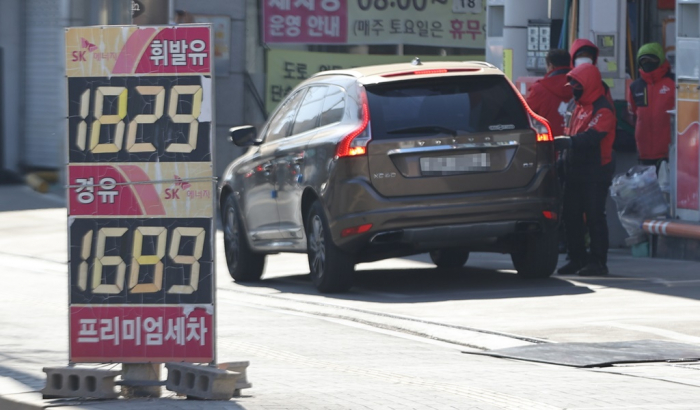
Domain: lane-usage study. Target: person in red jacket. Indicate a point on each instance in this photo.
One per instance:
(589, 170)
(549, 96)
(650, 97)
(585, 52)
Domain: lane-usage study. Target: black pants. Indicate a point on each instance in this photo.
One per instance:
(586, 199)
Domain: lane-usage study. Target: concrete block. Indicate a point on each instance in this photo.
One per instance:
(201, 382)
(80, 382)
(238, 367)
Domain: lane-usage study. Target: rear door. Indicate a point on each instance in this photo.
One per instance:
(289, 163)
(447, 135)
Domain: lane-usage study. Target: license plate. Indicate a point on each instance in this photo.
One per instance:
(456, 163)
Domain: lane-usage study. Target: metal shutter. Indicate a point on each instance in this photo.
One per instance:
(44, 78)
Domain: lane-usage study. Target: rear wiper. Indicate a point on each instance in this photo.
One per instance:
(418, 130)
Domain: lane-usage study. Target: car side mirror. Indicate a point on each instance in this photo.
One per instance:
(243, 136)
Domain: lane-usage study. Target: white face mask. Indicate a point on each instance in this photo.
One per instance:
(582, 60)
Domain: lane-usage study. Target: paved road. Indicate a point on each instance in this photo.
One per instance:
(394, 342)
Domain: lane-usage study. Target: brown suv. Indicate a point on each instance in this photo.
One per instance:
(385, 161)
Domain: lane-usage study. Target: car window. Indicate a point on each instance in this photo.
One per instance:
(333, 106)
(282, 121)
(309, 111)
(461, 105)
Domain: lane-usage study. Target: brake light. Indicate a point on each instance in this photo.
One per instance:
(538, 123)
(433, 71)
(550, 215)
(355, 143)
(355, 230)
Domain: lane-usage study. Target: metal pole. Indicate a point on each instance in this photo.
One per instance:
(138, 379)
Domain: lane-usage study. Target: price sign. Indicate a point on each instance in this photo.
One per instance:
(141, 194)
(126, 119)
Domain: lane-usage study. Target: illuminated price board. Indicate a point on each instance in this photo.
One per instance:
(141, 194)
(142, 261)
(131, 119)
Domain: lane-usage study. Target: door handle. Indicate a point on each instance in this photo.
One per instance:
(267, 167)
(298, 159)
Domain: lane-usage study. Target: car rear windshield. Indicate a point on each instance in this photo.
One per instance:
(453, 105)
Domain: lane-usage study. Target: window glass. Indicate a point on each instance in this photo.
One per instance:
(280, 124)
(333, 106)
(310, 110)
(463, 104)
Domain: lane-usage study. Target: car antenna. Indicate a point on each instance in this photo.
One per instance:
(416, 61)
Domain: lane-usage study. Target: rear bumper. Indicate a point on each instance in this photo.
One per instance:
(445, 220)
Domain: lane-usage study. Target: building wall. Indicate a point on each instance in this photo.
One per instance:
(230, 85)
(11, 41)
(34, 102)
(44, 83)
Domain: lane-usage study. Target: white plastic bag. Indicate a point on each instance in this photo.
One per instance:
(638, 197)
(664, 177)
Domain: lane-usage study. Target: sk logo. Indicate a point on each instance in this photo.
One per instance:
(80, 55)
(182, 184)
(172, 193)
(664, 90)
(86, 44)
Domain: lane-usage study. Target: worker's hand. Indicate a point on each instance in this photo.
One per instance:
(562, 142)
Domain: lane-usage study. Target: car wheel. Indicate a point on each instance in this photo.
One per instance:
(449, 258)
(536, 255)
(331, 268)
(244, 265)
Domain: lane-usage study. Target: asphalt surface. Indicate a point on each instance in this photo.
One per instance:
(361, 351)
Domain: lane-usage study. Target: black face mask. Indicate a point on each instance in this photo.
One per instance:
(578, 93)
(649, 65)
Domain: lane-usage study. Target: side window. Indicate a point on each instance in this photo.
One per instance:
(310, 110)
(333, 106)
(279, 125)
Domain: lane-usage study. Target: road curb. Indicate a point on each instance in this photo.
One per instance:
(17, 396)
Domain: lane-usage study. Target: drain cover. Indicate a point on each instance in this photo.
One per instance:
(599, 354)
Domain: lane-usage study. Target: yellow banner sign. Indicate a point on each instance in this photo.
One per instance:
(286, 69)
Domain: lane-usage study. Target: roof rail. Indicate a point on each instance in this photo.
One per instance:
(484, 63)
(348, 72)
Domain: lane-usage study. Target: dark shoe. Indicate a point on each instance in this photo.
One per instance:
(570, 268)
(593, 269)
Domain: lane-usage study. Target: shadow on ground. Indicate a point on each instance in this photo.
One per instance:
(431, 284)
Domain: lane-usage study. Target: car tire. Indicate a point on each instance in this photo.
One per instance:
(536, 255)
(244, 265)
(449, 258)
(331, 268)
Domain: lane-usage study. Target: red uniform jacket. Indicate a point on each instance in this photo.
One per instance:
(650, 97)
(549, 97)
(592, 130)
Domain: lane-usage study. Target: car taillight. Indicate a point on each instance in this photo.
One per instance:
(355, 143)
(538, 123)
(432, 71)
(541, 127)
(550, 215)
